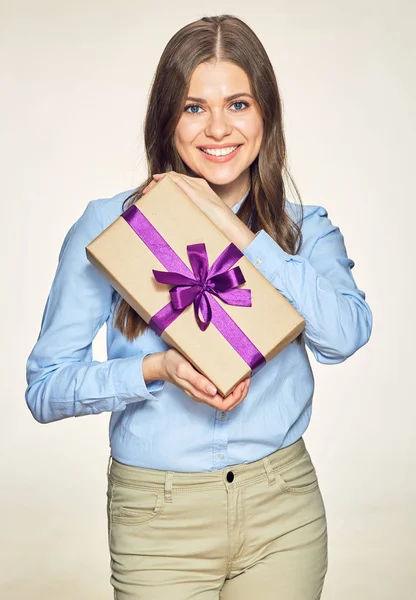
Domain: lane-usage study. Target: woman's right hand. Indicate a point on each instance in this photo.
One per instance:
(176, 369)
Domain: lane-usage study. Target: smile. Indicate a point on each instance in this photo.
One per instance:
(219, 151)
(220, 154)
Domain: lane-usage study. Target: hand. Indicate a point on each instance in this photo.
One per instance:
(200, 192)
(179, 371)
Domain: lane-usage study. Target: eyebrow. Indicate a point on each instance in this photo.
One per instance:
(227, 99)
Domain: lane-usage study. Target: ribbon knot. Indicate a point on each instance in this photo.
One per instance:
(218, 280)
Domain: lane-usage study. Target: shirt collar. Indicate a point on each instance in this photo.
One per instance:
(237, 206)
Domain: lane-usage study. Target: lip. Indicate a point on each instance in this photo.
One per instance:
(218, 146)
(219, 159)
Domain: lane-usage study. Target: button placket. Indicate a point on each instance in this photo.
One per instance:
(220, 442)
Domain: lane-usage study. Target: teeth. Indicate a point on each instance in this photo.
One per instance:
(220, 151)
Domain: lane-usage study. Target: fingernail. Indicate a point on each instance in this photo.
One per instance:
(211, 389)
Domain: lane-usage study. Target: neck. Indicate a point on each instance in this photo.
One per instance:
(231, 193)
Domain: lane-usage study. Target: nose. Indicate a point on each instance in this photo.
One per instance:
(218, 125)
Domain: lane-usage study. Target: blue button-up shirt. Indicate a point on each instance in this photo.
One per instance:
(157, 425)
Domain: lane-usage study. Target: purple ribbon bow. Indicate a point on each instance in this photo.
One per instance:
(217, 280)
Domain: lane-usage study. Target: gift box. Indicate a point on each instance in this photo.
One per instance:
(194, 287)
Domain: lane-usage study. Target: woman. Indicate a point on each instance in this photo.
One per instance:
(208, 497)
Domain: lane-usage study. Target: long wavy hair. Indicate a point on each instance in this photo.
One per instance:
(223, 37)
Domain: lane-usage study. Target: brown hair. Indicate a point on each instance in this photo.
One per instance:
(223, 37)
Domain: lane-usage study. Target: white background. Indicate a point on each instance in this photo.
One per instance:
(74, 85)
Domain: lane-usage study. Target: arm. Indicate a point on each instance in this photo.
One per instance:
(62, 379)
(320, 286)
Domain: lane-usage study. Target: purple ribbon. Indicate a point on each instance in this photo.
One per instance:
(198, 286)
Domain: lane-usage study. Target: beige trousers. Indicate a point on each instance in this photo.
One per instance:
(253, 531)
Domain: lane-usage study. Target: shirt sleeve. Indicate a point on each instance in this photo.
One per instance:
(62, 379)
(319, 286)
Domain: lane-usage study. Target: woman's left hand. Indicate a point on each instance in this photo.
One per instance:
(200, 192)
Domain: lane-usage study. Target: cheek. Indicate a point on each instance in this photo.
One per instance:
(257, 129)
(252, 128)
(259, 134)
(185, 132)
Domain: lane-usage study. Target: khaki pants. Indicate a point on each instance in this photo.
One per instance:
(253, 531)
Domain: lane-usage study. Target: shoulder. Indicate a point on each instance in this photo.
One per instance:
(312, 213)
(98, 214)
(110, 208)
(315, 223)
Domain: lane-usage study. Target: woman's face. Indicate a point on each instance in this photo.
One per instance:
(210, 120)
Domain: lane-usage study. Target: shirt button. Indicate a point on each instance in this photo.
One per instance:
(230, 476)
(257, 261)
(220, 455)
(223, 416)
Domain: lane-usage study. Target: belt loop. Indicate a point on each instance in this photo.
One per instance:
(108, 465)
(269, 470)
(168, 486)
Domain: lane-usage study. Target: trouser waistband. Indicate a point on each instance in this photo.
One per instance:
(232, 476)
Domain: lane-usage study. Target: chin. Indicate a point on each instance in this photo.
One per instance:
(219, 178)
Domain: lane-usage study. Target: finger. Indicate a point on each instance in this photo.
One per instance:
(150, 186)
(172, 173)
(182, 180)
(242, 387)
(194, 392)
(161, 175)
(243, 394)
(198, 384)
(181, 175)
(202, 383)
(228, 403)
(237, 402)
(236, 396)
(188, 184)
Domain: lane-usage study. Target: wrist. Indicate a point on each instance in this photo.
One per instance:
(153, 367)
(236, 231)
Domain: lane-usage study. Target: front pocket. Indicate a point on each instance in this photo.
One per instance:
(134, 506)
(299, 477)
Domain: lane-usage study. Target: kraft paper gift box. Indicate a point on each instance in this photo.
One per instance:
(194, 287)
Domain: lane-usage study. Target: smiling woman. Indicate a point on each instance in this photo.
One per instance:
(208, 497)
(215, 113)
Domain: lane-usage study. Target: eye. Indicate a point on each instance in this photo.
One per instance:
(191, 106)
(240, 102)
(194, 112)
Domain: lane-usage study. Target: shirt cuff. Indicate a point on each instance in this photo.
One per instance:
(266, 254)
(128, 381)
